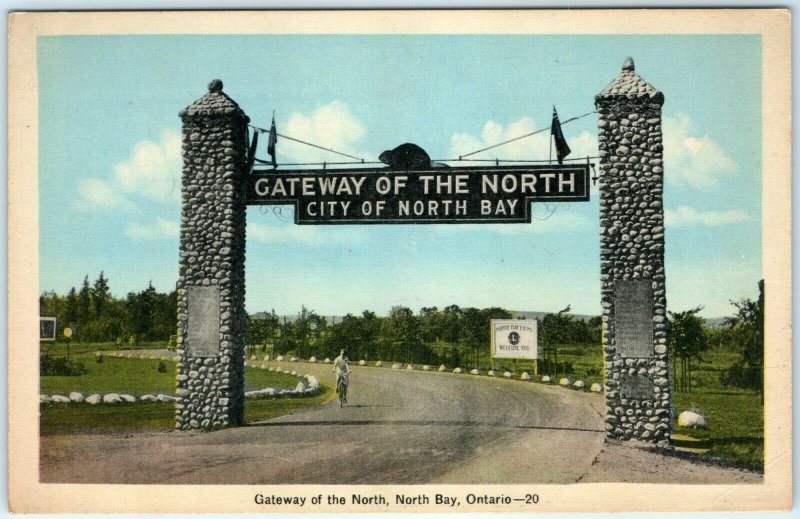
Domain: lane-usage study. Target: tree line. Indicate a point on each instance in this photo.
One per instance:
(452, 335)
(94, 315)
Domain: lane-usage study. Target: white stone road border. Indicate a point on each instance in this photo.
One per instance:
(309, 387)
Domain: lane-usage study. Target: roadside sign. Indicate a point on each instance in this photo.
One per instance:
(515, 338)
(47, 328)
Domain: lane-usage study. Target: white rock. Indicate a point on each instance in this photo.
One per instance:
(426, 368)
(278, 370)
(596, 388)
(44, 399)
(93, 399)
(566, 381)
(362, 362)
(253, 357)
(263, 366)
(490, 372)
(175, 358)
(60, 399)
(410, 367)
(300, 387)
(507, 374)
(442, 368)
(76, 396)
(579, 384)
(525, 376)
(111, 398)
(475, 371)
(457, 370)
(312, 381)
(268, 391)
(312, 360)
(245, 364)
(546, 379)
(151, 357)
(378, 364)
(127, 398)
(327, 360)
(162, 358)
(293, 373)
(143, 398)
(166, 398)
(694, 418)
(280, 358)
(395, 366)
(294, 359)
(252, 394)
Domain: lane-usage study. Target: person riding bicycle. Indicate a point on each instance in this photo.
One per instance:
(341, 366)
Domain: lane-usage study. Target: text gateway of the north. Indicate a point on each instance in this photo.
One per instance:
(448, 195)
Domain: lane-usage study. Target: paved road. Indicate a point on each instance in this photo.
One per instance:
(399, 427)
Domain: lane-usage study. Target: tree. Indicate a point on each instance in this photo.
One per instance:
(687, 341)
(84, 302)
(100, 294)
(747, 330)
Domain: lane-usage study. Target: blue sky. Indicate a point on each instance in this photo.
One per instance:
(109, 162)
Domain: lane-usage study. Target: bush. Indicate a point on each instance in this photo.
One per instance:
(742, 375)
(60, 367)
(100, 358)
(162, 367)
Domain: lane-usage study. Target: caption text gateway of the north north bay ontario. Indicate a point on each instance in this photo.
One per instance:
(443, 195)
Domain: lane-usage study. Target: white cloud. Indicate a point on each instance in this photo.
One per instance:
(160, 229)
(152, 171)
(98, 193)
(535, 147)
(154, 168)
(689, 159)
(332, 126)
(685, 216)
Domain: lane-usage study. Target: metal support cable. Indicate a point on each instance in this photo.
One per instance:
(526, 135)
(309, 144)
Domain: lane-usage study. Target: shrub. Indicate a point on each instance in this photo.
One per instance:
(60, 367)
(100, 358)
(162, 367)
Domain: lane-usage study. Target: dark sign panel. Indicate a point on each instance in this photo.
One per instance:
(439, 195)
(633, 314)
(203, 322)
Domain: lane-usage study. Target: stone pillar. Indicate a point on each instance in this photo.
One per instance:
(211, 316)
(637, 380)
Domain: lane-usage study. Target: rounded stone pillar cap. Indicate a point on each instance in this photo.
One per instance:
(630, 85)
(628, 65)
(216, 85)
(214, 103)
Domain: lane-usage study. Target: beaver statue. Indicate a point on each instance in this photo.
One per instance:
(407, 157)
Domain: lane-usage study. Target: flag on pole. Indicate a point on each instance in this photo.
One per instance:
(273, 138)
(562, 148)
(251, 152)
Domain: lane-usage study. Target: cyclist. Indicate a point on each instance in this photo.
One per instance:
(341, 367)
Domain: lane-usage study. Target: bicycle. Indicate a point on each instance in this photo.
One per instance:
(341, 388)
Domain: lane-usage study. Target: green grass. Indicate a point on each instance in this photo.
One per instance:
(735, 416)
(141, 376)
(86, 418)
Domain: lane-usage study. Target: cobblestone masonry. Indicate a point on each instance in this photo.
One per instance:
(212, 253)
(632, 248)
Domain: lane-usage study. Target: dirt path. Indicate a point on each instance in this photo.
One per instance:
(399, 427)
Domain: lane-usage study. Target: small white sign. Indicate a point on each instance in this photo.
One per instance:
(515, 338)
(47, 328)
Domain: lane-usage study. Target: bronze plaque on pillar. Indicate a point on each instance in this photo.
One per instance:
(636, 387)
(633, 318)
(203, 322)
